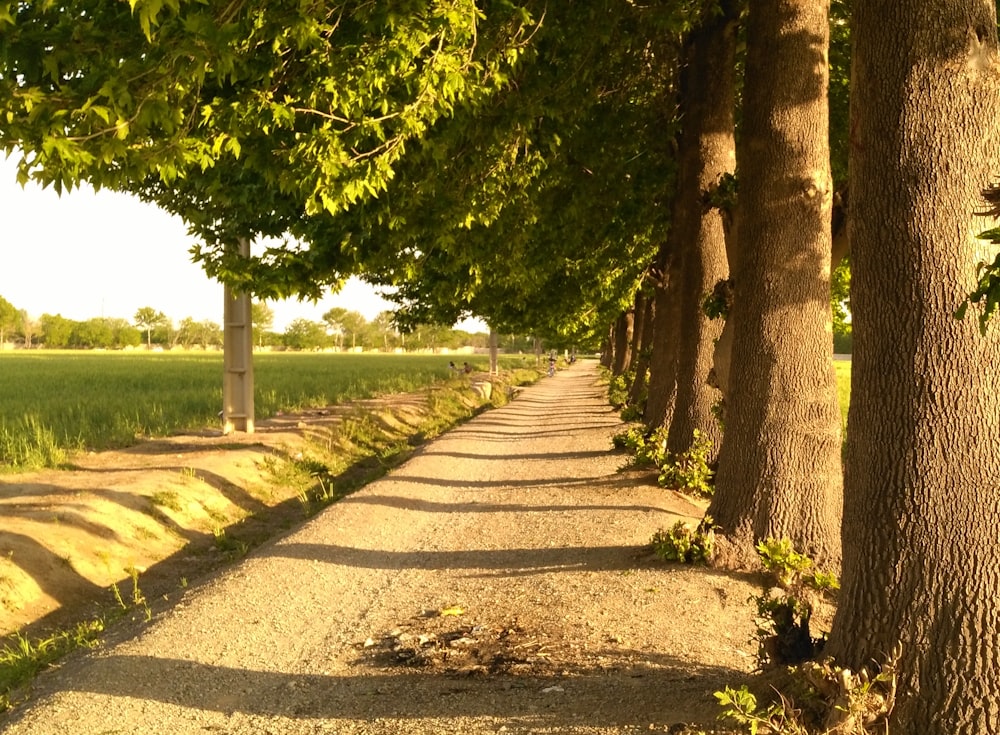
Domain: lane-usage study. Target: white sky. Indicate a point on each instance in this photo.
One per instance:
(88, 254)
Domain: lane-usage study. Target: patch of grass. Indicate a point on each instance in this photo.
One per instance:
(843, 370)
(145, 534)
(166, 499)
(22, 658)
(232, 547)
(54, 403)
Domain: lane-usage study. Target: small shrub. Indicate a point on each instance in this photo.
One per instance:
(781, 560)
(632, 412)
(618, 388)
(685, 544)
(819, 698)
(783, 616)
(646, 447)
(631, 439)
(690, 471)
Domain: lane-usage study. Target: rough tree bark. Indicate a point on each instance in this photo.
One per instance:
(638, 325)
(921, 539)
(779, 466)
(637, 392)
(623, 342)
(663, 351)
(707, 153)
(608, 348)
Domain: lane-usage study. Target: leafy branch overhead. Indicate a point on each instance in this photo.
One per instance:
(431, 145)
(295, 99)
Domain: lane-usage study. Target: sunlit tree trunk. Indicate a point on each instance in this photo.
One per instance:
(666, 331)
(638, 390)
(623, 342)
(707, 153)
(779, 466)
(921, 521)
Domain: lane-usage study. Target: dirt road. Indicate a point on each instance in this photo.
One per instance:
(496, 582)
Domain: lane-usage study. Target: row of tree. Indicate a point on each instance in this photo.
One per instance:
(575, 171)
(341, 329)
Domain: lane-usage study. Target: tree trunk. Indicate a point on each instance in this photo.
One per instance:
(623, 342)
(638, 315)
(637, 393)
(663, 351)
(494, 352)
(921, 552)
(779, 466)
(706, 155)
(608, 349)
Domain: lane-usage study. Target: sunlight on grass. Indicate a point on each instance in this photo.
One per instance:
(843, 368)
(53, 403)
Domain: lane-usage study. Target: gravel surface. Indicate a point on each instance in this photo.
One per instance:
(499, 581)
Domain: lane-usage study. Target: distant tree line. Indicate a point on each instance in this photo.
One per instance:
(339, 329)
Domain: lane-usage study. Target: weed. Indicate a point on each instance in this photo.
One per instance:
(789, 568)
(618, 389)
(216, 516)
(22, 658)
(145, 534)
(166, 499)
(232, 547)
(690, 471)
(819, 698)
(685, 544)
(785, 610)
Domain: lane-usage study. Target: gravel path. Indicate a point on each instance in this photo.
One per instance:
(496, 582)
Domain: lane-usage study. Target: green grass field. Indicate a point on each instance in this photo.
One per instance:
(54, 403)
(843, 368)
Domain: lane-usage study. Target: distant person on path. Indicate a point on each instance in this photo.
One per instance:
(552, 364)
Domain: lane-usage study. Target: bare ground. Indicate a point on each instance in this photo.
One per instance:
(499, 581)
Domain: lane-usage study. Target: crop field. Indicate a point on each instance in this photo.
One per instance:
(843, 369)
(54, 403)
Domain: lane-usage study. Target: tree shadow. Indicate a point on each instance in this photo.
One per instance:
(427, 506)
(660, 688)
(484, 562)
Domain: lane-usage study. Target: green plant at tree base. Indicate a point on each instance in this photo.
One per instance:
(690, 471)
(781, 560)
(632, 412)
(818, 698)
(784, 611)
(618, 389)
(646, 447)
(685, 544)
(789, 567)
